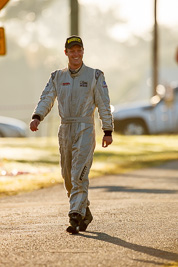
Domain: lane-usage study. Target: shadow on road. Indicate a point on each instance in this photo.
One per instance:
(162, 254)
(113, 188)
(148, 176)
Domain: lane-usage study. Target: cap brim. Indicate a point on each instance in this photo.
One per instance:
(74, 43)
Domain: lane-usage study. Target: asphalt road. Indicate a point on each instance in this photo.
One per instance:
(135, 220)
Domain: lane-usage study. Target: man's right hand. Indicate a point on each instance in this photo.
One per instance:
(34, 125)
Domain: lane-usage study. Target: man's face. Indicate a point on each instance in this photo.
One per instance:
(75, 56)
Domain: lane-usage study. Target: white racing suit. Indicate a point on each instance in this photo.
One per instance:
(78, 96)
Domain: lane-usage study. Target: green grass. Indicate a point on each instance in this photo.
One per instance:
(132, 152)
(39, 157)
(174, 264)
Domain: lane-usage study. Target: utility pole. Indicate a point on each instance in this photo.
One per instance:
(176, 55)
(74, 17)
(155, 50)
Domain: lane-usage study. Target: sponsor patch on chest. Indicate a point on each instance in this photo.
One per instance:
(65, 84)
(83, 84)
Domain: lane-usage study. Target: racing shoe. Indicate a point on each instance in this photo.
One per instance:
(74, 220)
(85, 222)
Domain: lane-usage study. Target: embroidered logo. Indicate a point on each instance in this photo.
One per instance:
(83, 84)
(83, 172)
(75, 39)
(65, 84)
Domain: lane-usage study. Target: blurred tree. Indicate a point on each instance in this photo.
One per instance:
(35, 47)
(19, 9)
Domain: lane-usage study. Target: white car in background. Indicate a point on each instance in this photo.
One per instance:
(10, 127)
(157, 117)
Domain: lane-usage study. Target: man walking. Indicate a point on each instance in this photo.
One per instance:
(79, 90)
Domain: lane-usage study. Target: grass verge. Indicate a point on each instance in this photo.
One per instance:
(174, 264)
(32, 163)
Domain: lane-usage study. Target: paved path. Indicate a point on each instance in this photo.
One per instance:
(135, 219)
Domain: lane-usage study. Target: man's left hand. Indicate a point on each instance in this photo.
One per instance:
(107, 140)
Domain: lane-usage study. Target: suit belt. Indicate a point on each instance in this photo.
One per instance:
(69, 120)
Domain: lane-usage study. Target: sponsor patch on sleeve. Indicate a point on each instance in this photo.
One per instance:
(53, 74)
(97, 73)
(104, 85)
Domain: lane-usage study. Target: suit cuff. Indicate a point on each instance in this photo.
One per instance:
(36, 117)
(107, 133)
